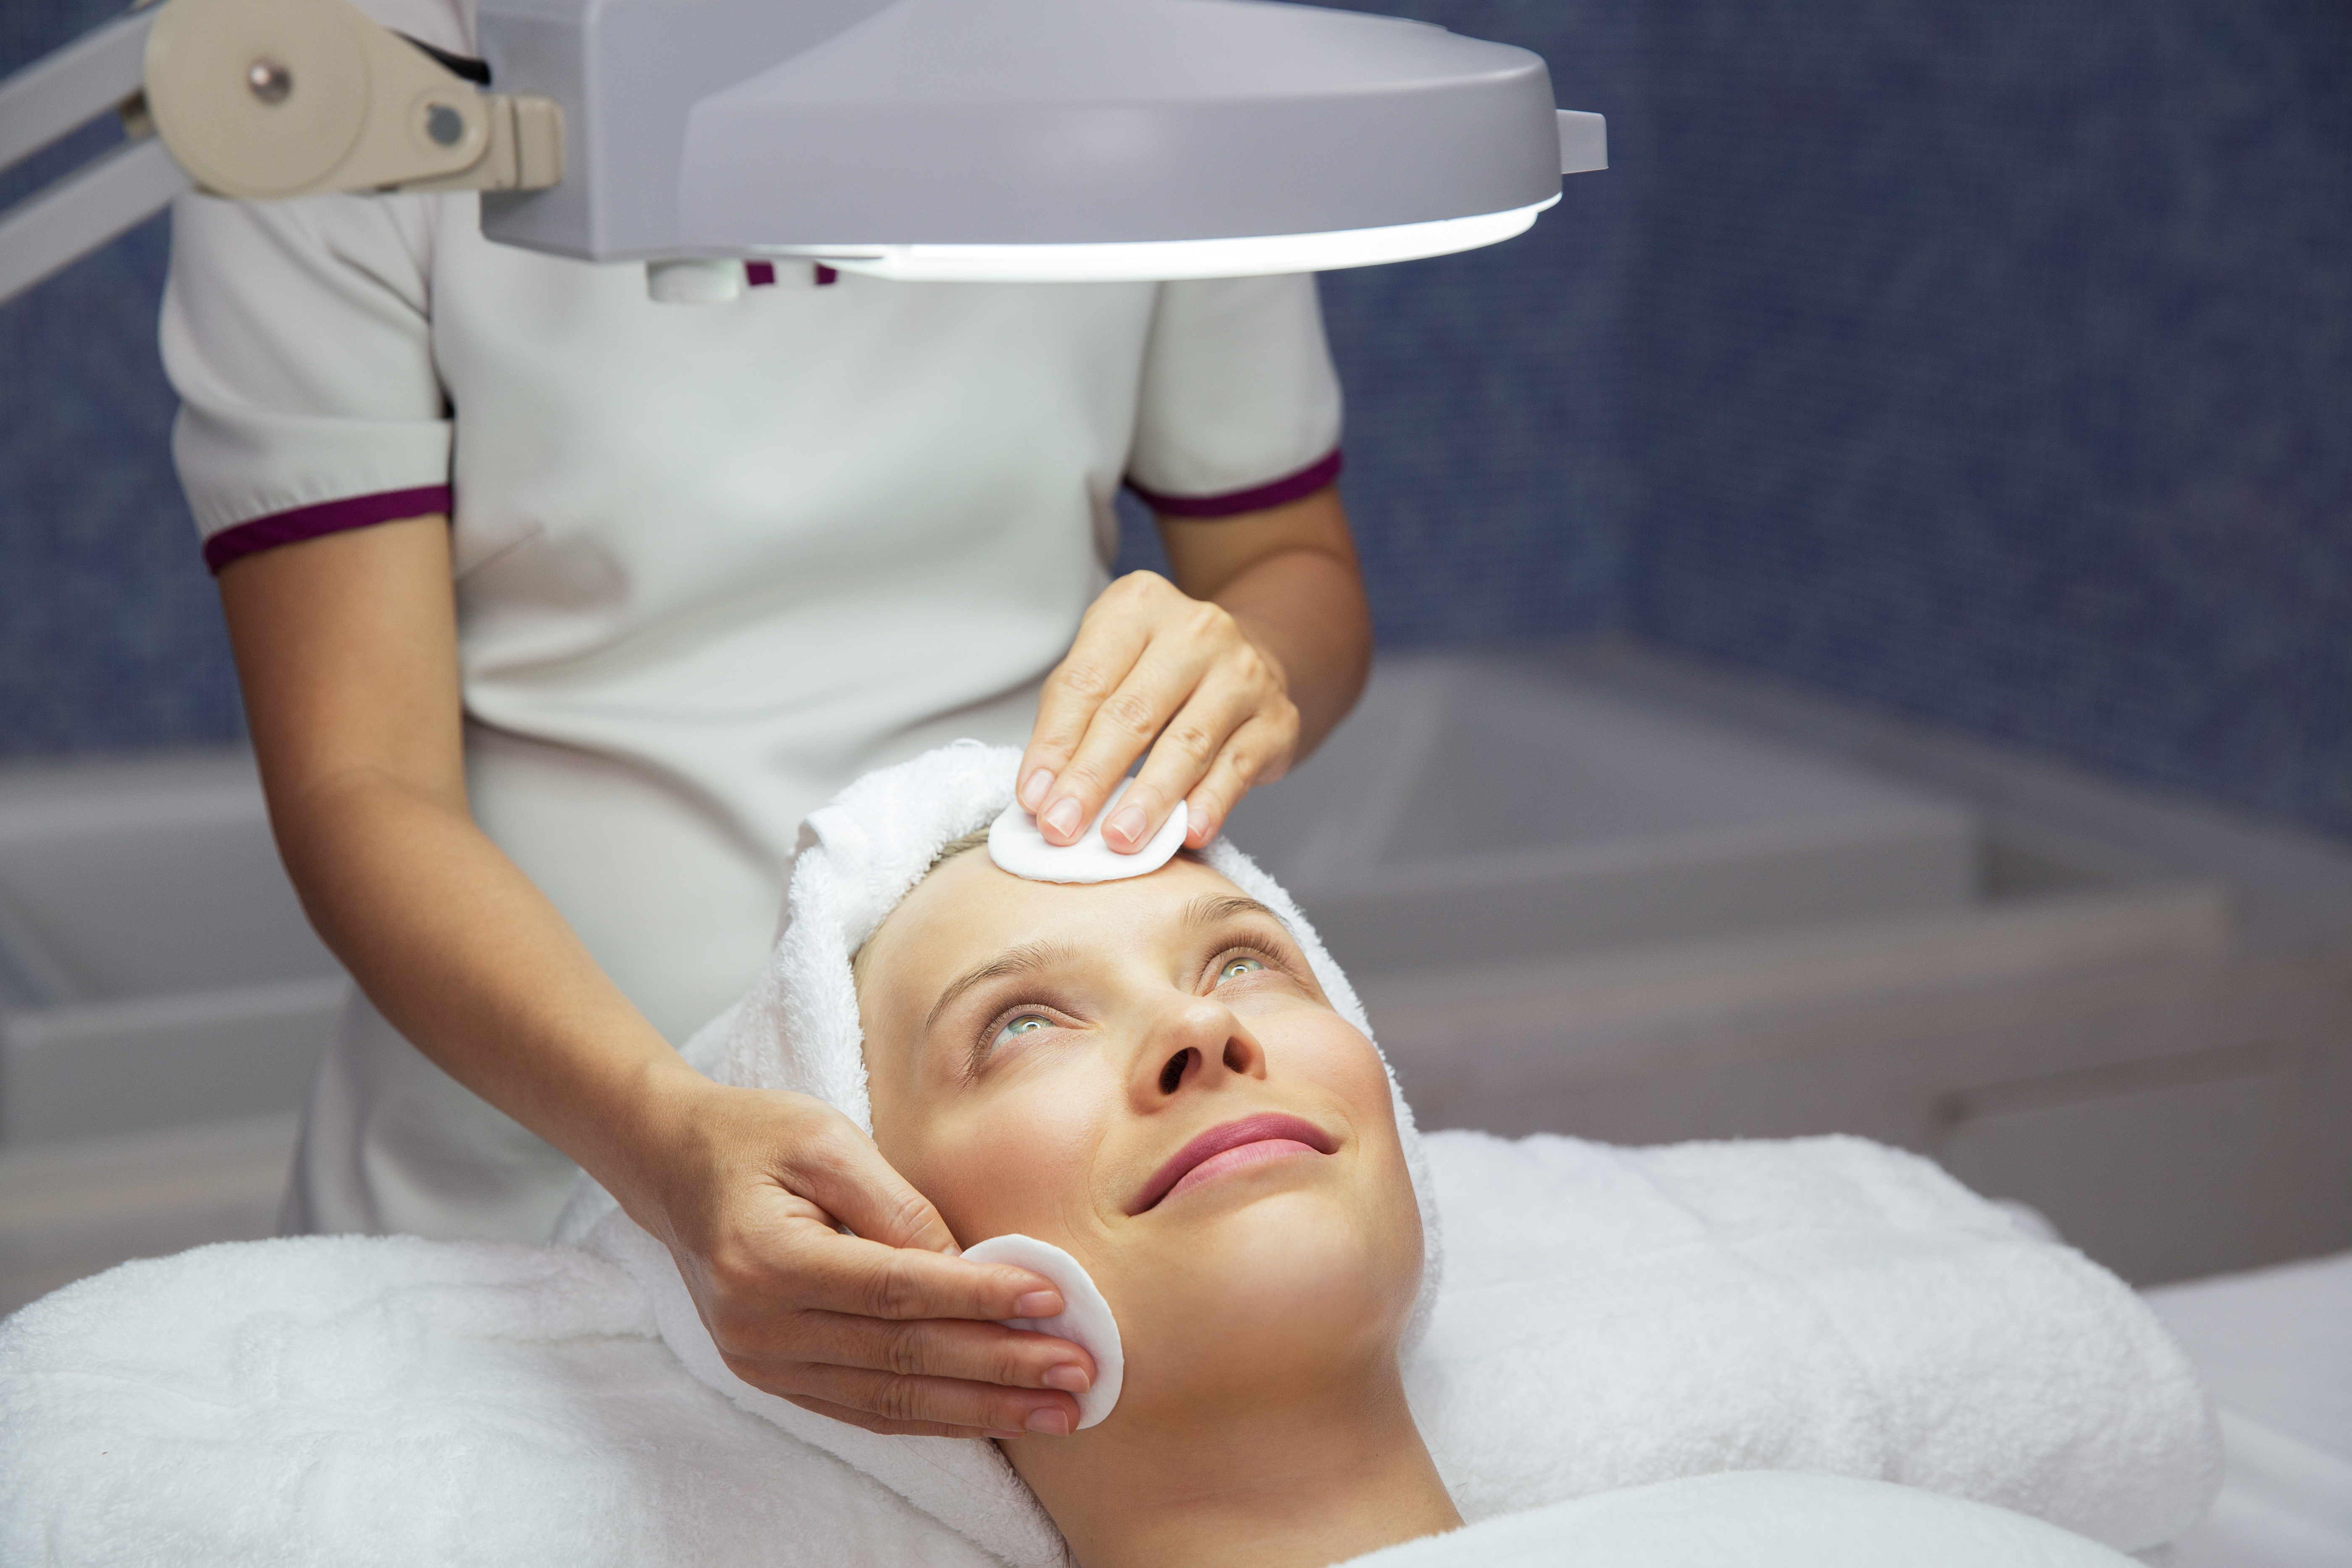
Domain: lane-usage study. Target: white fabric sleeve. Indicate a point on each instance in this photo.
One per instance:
(1240, 406)
(298, 337)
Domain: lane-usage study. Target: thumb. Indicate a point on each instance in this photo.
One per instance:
(845, 1174)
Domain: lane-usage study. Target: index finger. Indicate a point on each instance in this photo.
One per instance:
(857, 1277)
(1110, 640)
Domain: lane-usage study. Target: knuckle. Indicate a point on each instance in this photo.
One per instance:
(1132, 711)
(1258, 670)
(1010, 1365)
(1210, 621)
(1088, 681)
(896, 1399)
(891, 1291)
(902, 1352)
(908, 1215)
(1191, 739)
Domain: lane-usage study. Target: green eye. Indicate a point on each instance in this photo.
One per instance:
(1238, 966)
(1026, 1024)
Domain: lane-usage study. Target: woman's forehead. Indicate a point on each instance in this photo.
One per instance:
(970, 903)
(969, 919)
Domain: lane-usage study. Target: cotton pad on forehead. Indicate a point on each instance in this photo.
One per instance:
(1085, 1319)
(1016, 846)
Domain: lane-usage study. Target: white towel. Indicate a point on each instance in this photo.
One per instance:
(798, 1029)
(385, 1401)
(1611, 1318)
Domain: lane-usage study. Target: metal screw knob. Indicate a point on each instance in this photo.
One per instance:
(267, 80)
(445, 125)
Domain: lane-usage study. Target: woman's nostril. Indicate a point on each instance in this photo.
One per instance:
(1172, 1074)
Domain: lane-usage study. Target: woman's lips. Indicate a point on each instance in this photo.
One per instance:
(1248, 1142)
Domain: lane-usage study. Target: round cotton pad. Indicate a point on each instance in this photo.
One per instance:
(1016, 846)
(1085, 1319)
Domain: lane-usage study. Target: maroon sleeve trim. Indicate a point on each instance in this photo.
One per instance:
(327, 517)
(1281, 492)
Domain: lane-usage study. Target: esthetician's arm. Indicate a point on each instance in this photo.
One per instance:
(347, 649)
(1240, 666)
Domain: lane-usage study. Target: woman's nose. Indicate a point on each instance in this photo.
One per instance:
(1202, 1042)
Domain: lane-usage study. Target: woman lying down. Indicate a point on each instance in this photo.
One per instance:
(1165, 1076)
(1654, 1356)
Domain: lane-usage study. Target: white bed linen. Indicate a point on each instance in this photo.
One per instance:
(1756, 1518)
(1616, 1317)
(2275, 1348)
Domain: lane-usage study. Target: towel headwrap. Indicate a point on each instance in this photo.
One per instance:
(798, 1029)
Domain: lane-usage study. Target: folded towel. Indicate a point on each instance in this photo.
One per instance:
(1617, 1316)
(1611, 1318)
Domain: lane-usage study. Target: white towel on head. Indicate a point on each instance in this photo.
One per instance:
(799, 1030)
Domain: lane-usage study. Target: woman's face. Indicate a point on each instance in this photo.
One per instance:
(1146, 1074)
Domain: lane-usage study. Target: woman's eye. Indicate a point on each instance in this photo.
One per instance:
(1234, 967)
(1026, 1024)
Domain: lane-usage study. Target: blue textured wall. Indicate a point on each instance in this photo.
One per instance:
(1489, 471)
(1994, 361)
(110, 633)
(1990, 360)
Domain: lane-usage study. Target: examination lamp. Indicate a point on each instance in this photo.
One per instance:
(930, 139)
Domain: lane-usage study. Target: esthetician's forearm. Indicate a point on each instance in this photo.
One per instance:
(1304, 610)
(1288, 577)
(469, 960)
(346, 649)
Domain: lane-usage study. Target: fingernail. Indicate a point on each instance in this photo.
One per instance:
(1064, 816)
(1038, 1304)
(1127, 824)
(1035, 790)
(1050, 1420)
(1069, 1377)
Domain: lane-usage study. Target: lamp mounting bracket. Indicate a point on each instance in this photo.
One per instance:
(262, 99)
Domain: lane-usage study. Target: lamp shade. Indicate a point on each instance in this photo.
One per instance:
(1022, 138)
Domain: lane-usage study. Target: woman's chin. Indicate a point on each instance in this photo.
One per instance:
(1287, 1286)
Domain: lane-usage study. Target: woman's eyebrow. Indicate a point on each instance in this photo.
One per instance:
(1026, 958)
(1211, 909)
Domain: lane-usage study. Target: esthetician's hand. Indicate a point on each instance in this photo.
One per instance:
(1149, 660)
(1228, 675)
(889, 1329)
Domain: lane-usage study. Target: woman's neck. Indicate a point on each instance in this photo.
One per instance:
(1293, 1483)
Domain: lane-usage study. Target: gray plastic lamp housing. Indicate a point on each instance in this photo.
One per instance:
(849, 128)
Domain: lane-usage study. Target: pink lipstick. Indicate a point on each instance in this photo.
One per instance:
(1248, 1142)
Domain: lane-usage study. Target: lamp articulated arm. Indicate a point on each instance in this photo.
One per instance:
(254, 99)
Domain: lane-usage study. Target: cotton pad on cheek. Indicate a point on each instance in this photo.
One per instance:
(1016, 846)
(1085, 1319)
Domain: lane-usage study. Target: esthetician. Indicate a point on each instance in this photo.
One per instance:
(557, 608)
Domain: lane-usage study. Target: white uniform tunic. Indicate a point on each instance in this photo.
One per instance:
(712, 562)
